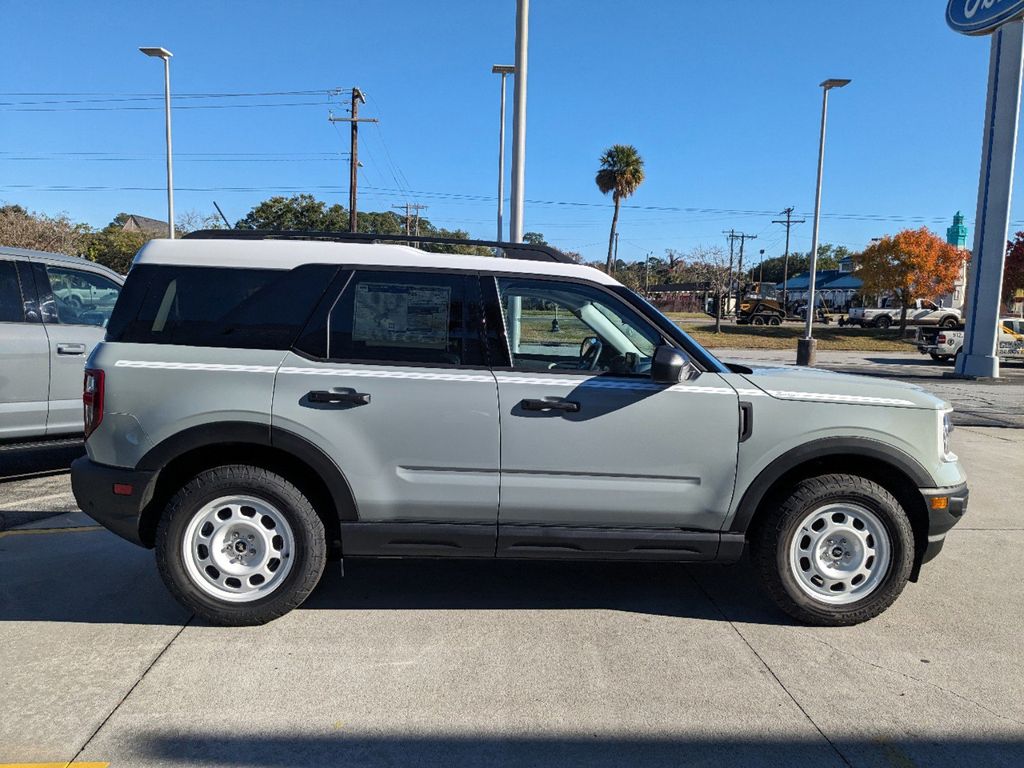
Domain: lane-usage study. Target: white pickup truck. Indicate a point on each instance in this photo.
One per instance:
(921, 312)
(944, 344)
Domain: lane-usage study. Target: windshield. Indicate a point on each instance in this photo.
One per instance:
(699, 355)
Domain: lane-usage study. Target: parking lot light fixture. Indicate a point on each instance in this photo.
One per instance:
(163, 53)
(805, 351)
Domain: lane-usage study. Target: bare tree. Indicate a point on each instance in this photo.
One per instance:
(709, 266)
(20, 228)
(192, 220)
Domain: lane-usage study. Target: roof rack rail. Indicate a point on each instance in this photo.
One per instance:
(526, 251)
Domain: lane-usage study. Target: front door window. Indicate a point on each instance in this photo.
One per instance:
(563, 326)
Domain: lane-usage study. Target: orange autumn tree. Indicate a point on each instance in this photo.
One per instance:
(911, 264)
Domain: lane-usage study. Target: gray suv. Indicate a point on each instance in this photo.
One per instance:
(53, 311)
(264, 401)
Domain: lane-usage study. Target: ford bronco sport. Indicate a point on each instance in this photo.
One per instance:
(263, 401)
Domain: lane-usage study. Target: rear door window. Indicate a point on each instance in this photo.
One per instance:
(217, 306)
(416, 318)
(12, 309)
(81, 297)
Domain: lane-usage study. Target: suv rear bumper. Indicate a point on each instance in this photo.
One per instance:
(945, 508)
(93, 486)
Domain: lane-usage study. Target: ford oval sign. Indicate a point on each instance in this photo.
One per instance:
(979, 17)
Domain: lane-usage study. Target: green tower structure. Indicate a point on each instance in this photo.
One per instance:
(956, 235)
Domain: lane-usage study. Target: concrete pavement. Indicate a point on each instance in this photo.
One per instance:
(442, 663)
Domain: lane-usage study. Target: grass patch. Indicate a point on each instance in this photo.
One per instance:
(830, 337)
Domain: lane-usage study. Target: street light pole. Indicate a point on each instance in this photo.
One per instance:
(504, 70)
(519, 122)
(806, 347)
(163, 53)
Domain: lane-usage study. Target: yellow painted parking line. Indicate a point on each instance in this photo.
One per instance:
(54, 765)
(35, 531)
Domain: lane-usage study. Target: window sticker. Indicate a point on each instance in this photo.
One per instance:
(394, 314)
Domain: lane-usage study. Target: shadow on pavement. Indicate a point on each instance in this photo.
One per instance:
(664, 589)
(575, 750)
(94, 577)
(39, 459)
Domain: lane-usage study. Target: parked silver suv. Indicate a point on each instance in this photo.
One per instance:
(263, 400)
(53, 310)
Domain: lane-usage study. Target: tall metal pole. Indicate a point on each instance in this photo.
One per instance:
(519, 122)
(813, 266)
(805, 350)
(504, 71)
(170, 170)
(501, 160)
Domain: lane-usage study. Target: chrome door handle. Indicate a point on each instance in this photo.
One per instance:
(71, 349)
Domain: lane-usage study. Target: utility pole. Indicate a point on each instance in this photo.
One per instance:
(647, 275)
(409, 208)
(789, 221)
(353, 160)
(760, 275)
(733, 235)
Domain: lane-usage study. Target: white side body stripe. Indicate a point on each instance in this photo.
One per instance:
(595, 382)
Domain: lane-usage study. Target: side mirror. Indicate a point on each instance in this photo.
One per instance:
(670, 366)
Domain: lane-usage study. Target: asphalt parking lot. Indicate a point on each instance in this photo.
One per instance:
(442, 663)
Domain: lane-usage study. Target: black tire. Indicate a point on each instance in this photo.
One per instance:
(774, 536)
(883, 322)
(939, 358)
(307, 557)
(948, 322)
(757, 320)
(775, 320)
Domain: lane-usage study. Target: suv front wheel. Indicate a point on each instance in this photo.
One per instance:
(239, 545)
(838, 550)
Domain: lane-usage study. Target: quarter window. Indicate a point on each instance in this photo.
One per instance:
(406, 318)
(561, 326)
(218, 306)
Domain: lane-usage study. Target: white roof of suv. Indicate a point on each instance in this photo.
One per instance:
(287, 254)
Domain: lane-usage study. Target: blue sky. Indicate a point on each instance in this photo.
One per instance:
(719, 96)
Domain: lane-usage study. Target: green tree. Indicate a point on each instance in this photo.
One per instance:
(299, 212)
(621, 172)
(115, 248)
(534, 238)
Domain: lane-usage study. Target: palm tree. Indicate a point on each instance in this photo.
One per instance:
(621, 172)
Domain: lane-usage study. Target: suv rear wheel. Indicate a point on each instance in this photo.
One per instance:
(240, 545)
(838, 550)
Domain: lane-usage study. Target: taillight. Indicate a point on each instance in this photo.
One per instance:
(92, 399)
(940, 339)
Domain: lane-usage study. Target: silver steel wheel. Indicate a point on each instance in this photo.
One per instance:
(840, 553)
(238, 548)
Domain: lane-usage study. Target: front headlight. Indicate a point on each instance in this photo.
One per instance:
(945, 433)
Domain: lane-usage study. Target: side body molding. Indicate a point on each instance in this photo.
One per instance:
(856, 447)
(241, 433)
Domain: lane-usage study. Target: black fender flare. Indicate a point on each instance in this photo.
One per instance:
(862, 447)
(263, 435)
